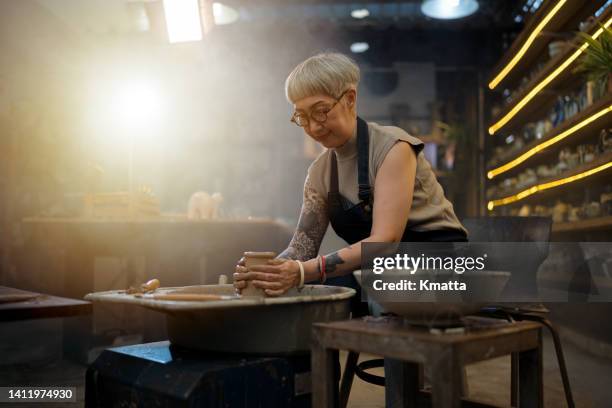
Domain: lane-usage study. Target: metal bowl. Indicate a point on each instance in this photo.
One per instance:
(443, 308)
(274, 325)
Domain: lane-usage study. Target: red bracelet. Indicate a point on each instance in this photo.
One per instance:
(323, 275)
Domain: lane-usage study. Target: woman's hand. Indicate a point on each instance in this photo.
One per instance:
(239, 282)
(276, 278)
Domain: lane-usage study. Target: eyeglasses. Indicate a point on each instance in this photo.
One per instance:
(319, 114)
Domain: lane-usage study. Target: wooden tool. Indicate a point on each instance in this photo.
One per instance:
(17, 297)
(187, 297)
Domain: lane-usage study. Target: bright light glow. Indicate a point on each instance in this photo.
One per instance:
(223, 14)
(360, 13)
(359, 47)
(449, 9)
(536, 149)
(183, 20)
(541, 187)
(521, 104)
(504, 72)
(136, 105)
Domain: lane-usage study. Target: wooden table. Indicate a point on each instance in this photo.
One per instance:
(409, 346)
(39, 306)
(172, 249)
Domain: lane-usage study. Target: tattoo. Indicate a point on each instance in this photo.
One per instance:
(332, 261)
(311, 226)
(288, 253)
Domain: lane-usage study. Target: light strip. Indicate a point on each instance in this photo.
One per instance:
(545, 82)
(526, 45)
(536, 149)
(545, 186)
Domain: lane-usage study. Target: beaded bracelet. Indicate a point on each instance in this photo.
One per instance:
(323, 274)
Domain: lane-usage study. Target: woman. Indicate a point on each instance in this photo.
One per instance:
(373, 184)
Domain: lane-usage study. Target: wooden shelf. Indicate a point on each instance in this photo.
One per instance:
(604, 158)
(569, 13)
(564, 80)
(590, 224)
(601, 123)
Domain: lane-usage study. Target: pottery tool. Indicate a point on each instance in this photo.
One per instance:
(189, 297)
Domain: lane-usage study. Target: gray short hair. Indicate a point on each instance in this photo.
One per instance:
(326, 73)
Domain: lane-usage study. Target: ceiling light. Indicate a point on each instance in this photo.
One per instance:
(183, 20)
(360, 13)
(359, 47)
(449, 9)
(223, 14)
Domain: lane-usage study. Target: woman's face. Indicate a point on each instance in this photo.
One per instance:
(340, 124)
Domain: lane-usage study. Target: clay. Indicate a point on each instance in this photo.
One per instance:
(252, 259)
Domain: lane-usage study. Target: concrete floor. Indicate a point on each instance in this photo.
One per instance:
(591, 379)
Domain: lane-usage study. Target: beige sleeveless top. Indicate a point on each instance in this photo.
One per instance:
(430, 210)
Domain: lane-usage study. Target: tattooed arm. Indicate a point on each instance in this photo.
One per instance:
(311, 226)
(392, 196)
(393, 191)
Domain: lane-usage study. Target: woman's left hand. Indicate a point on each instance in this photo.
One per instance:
(276, 278)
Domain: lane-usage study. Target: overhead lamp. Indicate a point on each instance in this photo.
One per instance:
(360, 13)
(449, 9)
(223, 14)
(359, 47)
(183, 20)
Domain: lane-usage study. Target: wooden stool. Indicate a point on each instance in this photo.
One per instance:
(409, 346)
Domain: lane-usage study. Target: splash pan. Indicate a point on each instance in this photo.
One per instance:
(275, 325)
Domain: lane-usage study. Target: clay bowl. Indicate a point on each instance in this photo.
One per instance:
(442, 308)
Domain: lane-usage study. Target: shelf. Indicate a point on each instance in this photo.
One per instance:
(555, 74)
(590, 224)
(569, 12)
(526, 153)
(599, 161)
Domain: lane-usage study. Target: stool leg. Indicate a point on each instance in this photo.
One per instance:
(514, 360)
(402, 383)
(530, 387)
(445, 381)
(347, 377)
(324, 385)
(560, 358)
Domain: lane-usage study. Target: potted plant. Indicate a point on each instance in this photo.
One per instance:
(596, 62)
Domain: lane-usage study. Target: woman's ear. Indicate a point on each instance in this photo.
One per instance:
(351, 98)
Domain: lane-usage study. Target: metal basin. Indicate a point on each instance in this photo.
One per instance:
(275, 325)
(443, 308)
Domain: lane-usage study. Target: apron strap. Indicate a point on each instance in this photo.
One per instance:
(363, 159)
(333, 174)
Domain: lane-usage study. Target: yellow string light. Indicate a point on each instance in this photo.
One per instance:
(544, 145)
(521, 104)
(504, 72)
(545, 186)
